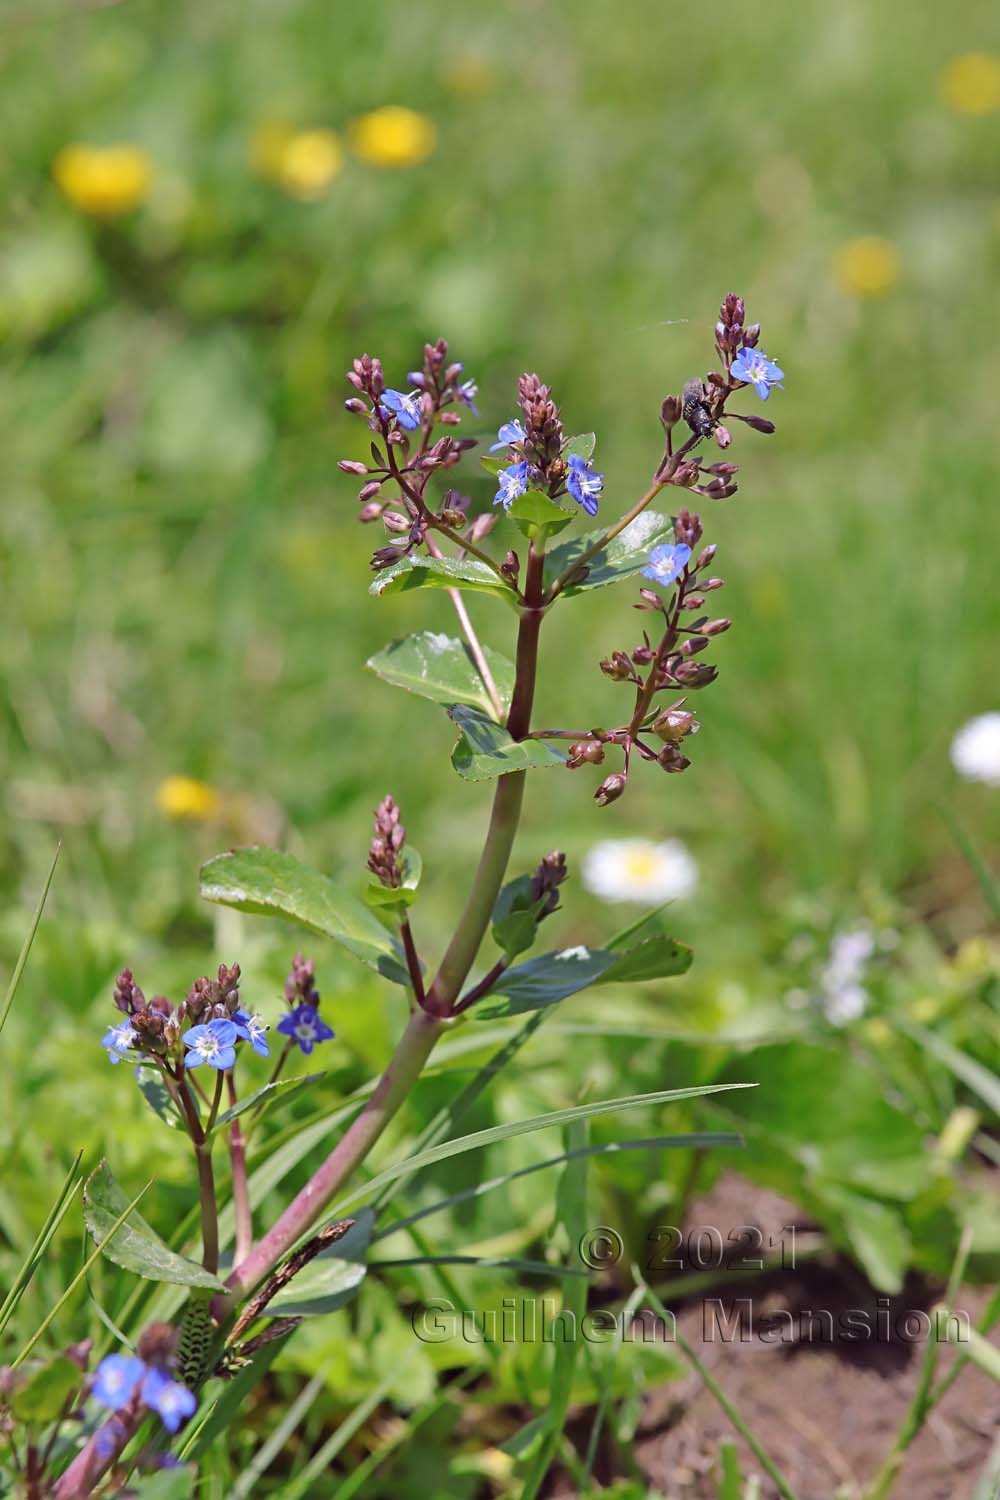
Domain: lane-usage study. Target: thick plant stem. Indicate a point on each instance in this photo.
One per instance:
(404, 1068)
(99, 1454)
(506, 814)
(206, 1180)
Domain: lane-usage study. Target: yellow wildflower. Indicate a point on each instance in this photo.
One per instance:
(103, 181)
(268, 144)
(867, 266)
(309, 162)
(185, 797)
(393, 137)
(970, 84)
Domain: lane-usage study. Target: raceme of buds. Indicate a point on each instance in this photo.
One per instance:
(300, 986)
(545, 882)
(543, 439)
(387, 844)
(688, 527)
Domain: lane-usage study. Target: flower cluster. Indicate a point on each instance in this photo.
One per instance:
(540, 455)
(302, 1026)
(145, 1379)
(387, 845)
(205, 1027)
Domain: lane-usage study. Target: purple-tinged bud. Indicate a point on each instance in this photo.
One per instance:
(356, 406)
(751, 335)
(585, 752)
(387, 844)
(546, 880)
(127, 995)
(724, 470)
(712, 583)
(722, 436)
(695, 674)
(511, 566)
(450, 418)
(670, 411)
(643, 655)
(651, 599)
(687, 527)
(355, 379)
(398, 438)
(718, 489)
(384, 557)
(692, 601)
(369, 491)
(716, 378)
(759, 424)
(693, 645)
(369, 512)
(671, 759)
(674, 724)
(610, 789)
(685, 474)
(716, 627)
(452, 373)
(705, 556)
(393, 521)
(351, 466)
(617, 667)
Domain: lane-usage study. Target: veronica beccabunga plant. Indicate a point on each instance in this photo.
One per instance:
(194, 1059)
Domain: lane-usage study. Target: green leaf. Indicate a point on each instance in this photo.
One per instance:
(582, 445)
(441, 668)
(980, 1080)
(441, 573)
(398, 897)
(47, 1391)
(538, 515)
(156, 1094)
(658, 957)
(265, 1097)
(486, 750)
(135, 1247)
(168, 1484)
(515, 916)
(333, 1278)
(272, 883)
(543, 981)
(624, 556)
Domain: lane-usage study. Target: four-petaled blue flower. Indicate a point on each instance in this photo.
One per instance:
(510, 432)
(173, 1402)
(117, 1040)
(512, 482)
(584, 483)
(753, 366)
(667, 562)
(305, 1028)
(214, 1043)
(116, 1379)
(252, 1030)
(404, 407)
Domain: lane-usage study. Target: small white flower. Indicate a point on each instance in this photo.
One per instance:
(845, 1004)
(844, 997)
(639, 870)
(975, 750)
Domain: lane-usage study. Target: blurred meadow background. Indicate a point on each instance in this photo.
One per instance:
(209, 209)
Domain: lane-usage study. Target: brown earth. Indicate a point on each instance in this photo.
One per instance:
(826, 1409)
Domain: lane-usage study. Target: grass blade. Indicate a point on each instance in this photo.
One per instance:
(984, 1083)
(29, 1265)
(22, 958)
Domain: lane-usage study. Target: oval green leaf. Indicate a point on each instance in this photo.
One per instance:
(623, 557)
(441, 668)
(333, 1278)
(486, 750)
(441, 573)
(135, 1246)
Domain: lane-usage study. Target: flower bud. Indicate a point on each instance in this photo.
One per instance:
(617, 667)
(693, 645)
(670, 411)
(369, 491)
(369, 512)
(716, 627)
(724, 470)
(685, 474)
(687, 527)
(351, 466)
(751, 335)
(711, 583)
(585, 752)
(511, 566)
(398, 438)
(674, 724)
(449, 419)
(610, 789)
(722, 436)
(693, 601)
(671, 759)
(356, 406)
(759, 424)
(695, 674)
(643, 655)
(718, 489)
(393, 521)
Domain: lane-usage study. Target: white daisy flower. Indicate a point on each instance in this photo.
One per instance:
(639, 870)
(975, 750)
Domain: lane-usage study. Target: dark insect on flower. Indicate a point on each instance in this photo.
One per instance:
(696, 410)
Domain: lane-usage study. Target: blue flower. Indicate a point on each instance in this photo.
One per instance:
(214, 1044)
(173, 1402)
(252, 1030)
(584, 483)
(117, 1040)
(753, 366)
(667, 562)
(116, 1379)
(510, 432)
(467, 393)
(405, 408)
(305, 1028)
(512, 482)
